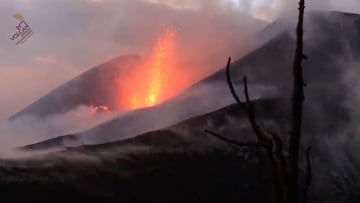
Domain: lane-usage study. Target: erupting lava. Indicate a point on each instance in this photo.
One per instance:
(162, 59)
(149, 84)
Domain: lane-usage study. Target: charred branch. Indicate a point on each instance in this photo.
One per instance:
(274, 145)
(282, 165)
(232, 88)
(235, 142)
(249, 110)
(308, 175)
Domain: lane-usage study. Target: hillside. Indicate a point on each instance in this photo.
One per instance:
(91, 88)
(178, 164)
(331, 53)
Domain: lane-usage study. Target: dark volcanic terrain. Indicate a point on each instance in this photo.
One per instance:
(177, 164)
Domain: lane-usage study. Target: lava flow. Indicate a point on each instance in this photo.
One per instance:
(100, 108)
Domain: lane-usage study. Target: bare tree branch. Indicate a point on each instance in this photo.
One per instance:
(249, 108)
(247, 97)
(232, 88)
(234, 142)
(278, 187)
(296, 116)
(281, 165)
(308, 174)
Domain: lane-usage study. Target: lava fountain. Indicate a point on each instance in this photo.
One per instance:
(161, 60)
(149, 84)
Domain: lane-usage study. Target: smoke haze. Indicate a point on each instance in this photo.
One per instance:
(71, 36)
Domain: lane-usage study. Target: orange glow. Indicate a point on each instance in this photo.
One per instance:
(148, 85)
(161, 61)
(95, 109)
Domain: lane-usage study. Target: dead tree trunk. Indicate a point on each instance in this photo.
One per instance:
(297, 108)
(285, 173)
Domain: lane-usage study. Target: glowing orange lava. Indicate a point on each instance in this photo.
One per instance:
(162, 59)
(149, 83)
(101, 108)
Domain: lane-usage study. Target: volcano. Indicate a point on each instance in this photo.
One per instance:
(162, 154)
(92, 88)
(122, 84)
(329, 48)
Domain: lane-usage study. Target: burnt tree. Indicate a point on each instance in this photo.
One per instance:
(285, 170)
(297, 108)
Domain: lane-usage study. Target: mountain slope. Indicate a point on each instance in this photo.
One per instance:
(331, 52)
(178, 164)
(93, 87)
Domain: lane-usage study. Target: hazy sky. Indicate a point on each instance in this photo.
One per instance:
(61, 25)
